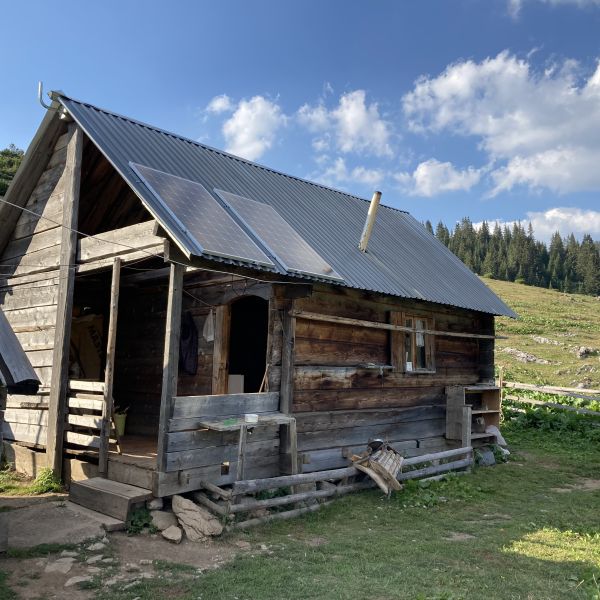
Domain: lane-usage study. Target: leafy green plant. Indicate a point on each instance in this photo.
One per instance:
(46, 482)
(139, 519)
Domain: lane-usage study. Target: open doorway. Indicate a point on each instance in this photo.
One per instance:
(248, 344)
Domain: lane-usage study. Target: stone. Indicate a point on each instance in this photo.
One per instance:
(243, 544)
(172, 534)
(132, 567)
(326, 485)
(485, 457)
(68, 554)
(155, 504)
(61, 565)
(162, 519)
(94, 559)
(109, 560)
(525, 357)
(196, 521)
(94, 570)
(78, 579)
(145, 561)
(584, 351)
(97, 547)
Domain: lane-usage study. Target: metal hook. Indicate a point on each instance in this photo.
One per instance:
(40, 92)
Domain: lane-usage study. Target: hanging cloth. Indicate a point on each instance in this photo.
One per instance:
(188, 345)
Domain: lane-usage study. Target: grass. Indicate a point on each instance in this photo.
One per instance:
(507, 532)
(572, 320)
(17, 484)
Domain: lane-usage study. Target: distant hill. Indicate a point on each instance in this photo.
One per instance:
(552, 327)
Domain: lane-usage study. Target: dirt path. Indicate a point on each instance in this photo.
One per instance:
(115, 560)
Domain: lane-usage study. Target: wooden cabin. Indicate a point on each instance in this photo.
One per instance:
(145, 273)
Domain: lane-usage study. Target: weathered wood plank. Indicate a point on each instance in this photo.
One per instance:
(91, 421)
(331, 420)
(26, 416)
(28, 297)
(118, 241)
(78, 385)
(27, 177)
(225, 404)
(188, 440)
(352, 436)
(60, 369)
(109, 371)
(203, 457)
(170, 361)
(34, 243)
(81, 439)
(221, 349)
(86, 403)
(21, 432)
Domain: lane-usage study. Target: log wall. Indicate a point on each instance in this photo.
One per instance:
(346, 389)
(28, 294)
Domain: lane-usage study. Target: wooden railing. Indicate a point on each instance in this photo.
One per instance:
(565, 392)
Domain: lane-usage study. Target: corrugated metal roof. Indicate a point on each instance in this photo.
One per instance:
(403, 259)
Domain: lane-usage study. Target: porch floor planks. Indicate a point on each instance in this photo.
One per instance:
(139, 451)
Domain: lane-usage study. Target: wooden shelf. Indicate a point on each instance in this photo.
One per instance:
(474, 389)
(472, 407)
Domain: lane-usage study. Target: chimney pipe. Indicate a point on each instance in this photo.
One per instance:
(366, 234)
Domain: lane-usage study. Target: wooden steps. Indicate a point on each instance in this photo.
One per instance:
(107, 497)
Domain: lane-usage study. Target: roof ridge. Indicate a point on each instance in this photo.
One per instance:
(222, 152)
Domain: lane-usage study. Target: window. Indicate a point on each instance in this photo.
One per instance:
(413, 351)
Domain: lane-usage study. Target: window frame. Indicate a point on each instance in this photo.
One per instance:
(398, 342)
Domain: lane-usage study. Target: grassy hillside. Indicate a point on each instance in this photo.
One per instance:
(566, 321)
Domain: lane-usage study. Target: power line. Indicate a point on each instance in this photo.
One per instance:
(150, 254)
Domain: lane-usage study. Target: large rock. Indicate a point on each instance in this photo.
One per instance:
(172, 534)
(196, 521)
(161, 519)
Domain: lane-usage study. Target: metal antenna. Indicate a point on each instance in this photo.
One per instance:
(40, 92)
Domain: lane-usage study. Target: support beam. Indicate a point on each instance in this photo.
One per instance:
(287, 433)
(302, 314)
(109, 372)
(221, 349)
(68, 250)
(170, 360)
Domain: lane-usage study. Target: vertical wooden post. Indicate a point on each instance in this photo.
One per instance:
(109, 371)
(221, 349)
(59, 381)
(287, 433)
(286, 393)
(170, 360)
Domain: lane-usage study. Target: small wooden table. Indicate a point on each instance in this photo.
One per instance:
(239, 423)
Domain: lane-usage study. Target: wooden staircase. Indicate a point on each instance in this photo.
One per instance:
(108, 497)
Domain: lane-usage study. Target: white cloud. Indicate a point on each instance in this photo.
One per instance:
(564, 219)
(252, 128)
(355, 125)
(532, 125)
(514, 6)
(337, 173)
(433, 177)
(220, 104)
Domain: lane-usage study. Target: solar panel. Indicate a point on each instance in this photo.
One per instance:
(205, 224)
(278, 237)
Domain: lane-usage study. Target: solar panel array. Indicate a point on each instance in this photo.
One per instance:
(279, 237)
(206, 225)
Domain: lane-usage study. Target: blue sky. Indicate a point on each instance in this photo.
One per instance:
(481, 108)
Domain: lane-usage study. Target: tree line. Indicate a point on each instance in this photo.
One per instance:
(513, 254)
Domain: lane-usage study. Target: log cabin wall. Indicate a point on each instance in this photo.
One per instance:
(346, 389)
(29, 290)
